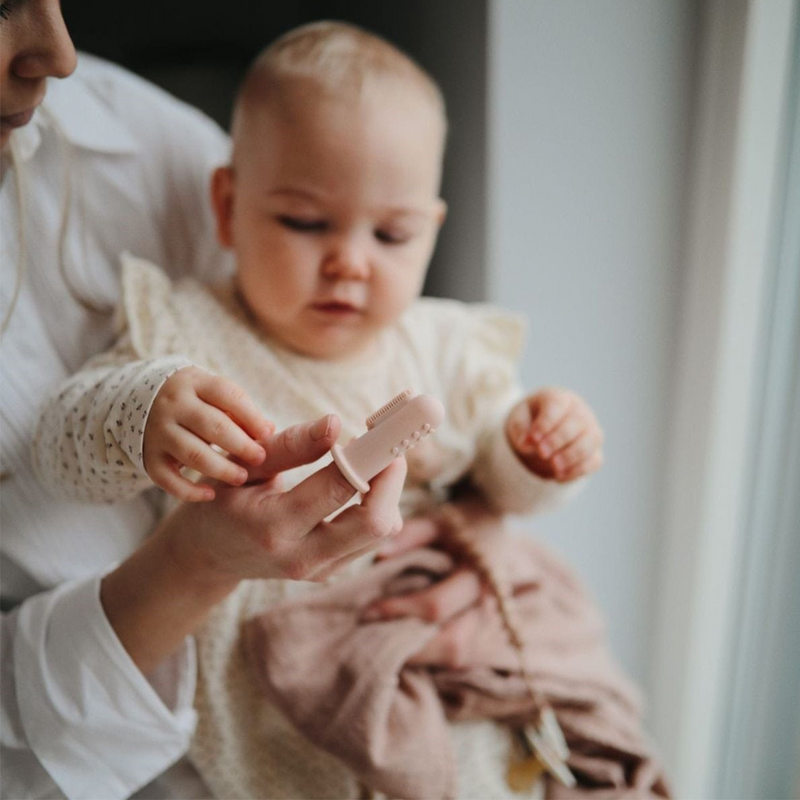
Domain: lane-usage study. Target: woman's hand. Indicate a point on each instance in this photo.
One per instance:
(260, 531)
(200, 552)
(556, 435)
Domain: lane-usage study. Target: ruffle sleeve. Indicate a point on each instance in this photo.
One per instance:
(148, 311)
(484, 350)
(477, 363)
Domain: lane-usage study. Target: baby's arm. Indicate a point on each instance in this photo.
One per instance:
(475, 352)
(90, 440)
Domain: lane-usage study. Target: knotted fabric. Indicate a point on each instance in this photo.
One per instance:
(348, 687)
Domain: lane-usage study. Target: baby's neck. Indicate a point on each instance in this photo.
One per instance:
(367, 351)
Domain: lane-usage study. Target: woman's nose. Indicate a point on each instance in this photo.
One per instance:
(47, 51)
(347, 260)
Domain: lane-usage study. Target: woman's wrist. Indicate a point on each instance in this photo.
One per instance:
(183, 544)
(161, 594)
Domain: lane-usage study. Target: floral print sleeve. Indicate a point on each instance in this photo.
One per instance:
(89, 440)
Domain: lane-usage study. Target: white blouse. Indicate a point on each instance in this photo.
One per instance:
(132, 165)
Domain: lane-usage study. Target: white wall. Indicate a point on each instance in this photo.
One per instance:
(588, 127)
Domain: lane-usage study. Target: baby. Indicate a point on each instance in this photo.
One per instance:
(331, 205)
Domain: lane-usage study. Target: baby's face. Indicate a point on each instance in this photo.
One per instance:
(333, 212)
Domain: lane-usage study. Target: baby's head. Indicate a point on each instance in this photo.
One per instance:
(331, 202)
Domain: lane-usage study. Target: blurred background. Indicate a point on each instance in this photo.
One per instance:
(626, 173)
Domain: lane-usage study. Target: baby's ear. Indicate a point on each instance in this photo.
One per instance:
(222, 195)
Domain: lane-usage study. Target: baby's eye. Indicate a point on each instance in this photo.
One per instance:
(302, 224)
(6, 8)
(389, 236)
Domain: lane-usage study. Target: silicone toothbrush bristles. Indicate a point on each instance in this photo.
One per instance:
(385, 409)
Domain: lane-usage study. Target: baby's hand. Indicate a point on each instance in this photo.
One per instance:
(192, 411)
(556, 435)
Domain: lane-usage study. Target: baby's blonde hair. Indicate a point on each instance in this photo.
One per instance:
(339, 59)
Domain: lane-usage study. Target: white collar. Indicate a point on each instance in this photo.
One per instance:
(86, 122)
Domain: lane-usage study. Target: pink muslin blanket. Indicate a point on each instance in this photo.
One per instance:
(345, 683)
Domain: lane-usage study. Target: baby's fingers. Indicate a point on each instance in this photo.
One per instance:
(587, 467)
(216, 427)
(193, 452)
(549, 408)
(234, 401)
(568, 430)
(580, 457)
(166, 474)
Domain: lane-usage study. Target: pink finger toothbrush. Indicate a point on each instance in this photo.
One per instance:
(392, 430)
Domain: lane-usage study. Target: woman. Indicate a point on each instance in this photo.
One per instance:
(97, 662)
(98, 668)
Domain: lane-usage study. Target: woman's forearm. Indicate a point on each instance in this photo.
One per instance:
(154, 599)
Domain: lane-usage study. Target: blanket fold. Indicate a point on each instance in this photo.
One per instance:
(346, 685)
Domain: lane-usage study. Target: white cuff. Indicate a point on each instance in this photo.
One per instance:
(96, 724)
(510, 487)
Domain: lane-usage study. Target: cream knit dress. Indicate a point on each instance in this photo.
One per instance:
(89, 444)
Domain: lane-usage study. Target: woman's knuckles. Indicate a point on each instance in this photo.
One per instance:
(339, 491)
(297, 569)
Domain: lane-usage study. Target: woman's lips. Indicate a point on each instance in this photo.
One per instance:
(17, 120)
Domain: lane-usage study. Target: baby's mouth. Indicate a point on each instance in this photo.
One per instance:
(336, 307)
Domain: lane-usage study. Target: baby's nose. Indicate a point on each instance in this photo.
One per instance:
(347, 260)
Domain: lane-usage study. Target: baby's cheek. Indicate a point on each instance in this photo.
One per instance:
(396, 287)
(396, 301)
